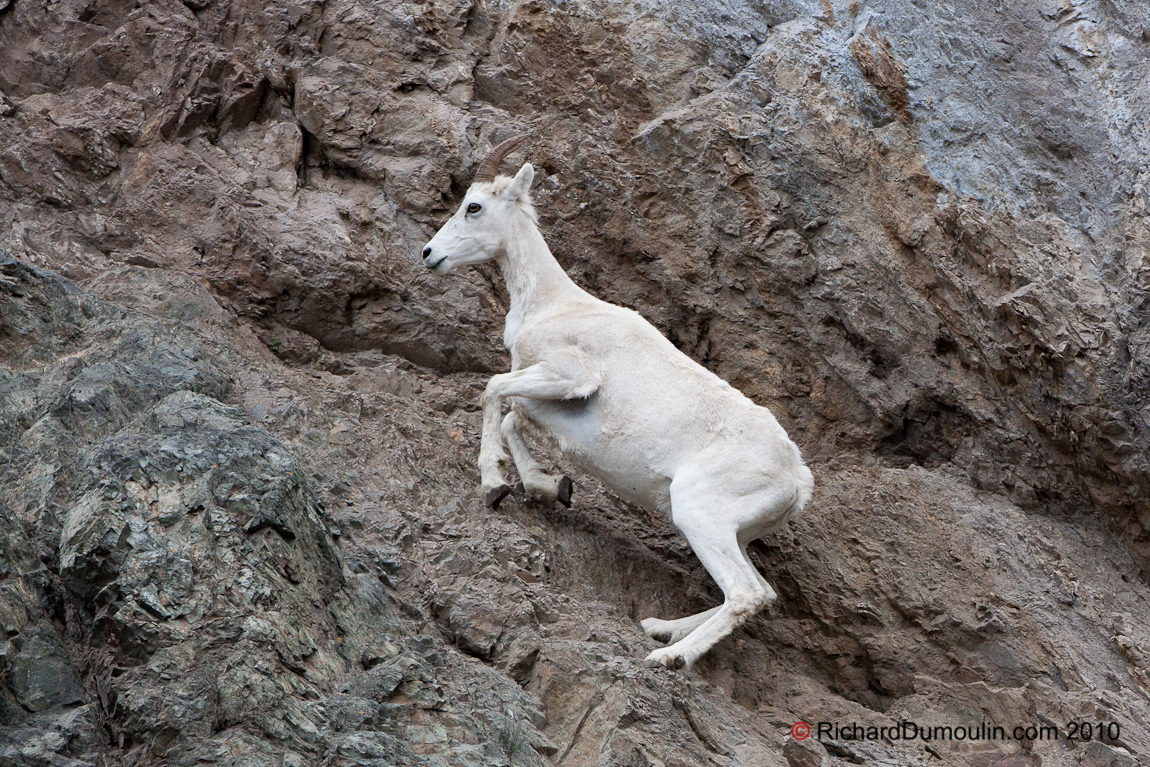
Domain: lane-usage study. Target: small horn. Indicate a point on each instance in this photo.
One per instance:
(490, 164)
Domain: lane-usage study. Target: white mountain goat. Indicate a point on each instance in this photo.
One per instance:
(656, 427)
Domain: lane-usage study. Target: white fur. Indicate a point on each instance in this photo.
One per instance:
(656, 427)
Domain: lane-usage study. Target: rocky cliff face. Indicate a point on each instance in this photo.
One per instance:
(238, 422)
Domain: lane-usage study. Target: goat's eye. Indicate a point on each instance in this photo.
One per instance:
(473, 207)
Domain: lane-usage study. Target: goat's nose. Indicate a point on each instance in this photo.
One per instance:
(427, 251)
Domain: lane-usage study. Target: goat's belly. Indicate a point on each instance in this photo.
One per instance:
(622, 465)
(633, 481)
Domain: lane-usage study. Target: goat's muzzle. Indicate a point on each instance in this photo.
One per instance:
(431, 261)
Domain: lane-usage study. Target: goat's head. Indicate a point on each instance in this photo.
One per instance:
(479, 229)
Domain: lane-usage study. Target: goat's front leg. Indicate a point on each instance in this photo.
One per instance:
(564, 379)
(536, 481)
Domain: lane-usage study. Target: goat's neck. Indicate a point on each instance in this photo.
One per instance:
(534, 279)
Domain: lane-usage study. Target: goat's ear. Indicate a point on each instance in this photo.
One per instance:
(521, 184)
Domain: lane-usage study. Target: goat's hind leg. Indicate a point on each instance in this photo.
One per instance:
(536, 481)
(709, 518)
(670, 632)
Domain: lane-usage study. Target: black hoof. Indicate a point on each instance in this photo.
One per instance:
(679, 662)
(495, 495)
(566, 487)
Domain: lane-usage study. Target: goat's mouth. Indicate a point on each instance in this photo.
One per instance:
(434, 265)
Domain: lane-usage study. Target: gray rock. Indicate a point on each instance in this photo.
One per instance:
(42, 674)
(194, 543)
(806, 753)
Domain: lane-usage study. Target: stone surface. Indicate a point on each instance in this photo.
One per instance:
(806, 753)
(42, 674)
(238, 432)
(193, 567)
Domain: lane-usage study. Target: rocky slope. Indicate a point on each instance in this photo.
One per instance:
(238, 423)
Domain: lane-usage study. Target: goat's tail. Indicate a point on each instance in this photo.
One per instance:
(804, 485)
